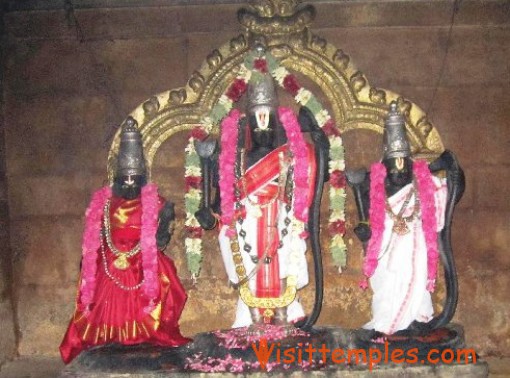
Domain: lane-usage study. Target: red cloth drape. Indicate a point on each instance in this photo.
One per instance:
(117, 316)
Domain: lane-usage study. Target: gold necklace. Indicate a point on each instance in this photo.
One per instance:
(400, 226)
(112, 277)
(121, 262)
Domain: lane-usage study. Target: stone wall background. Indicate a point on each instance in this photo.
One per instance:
(7, 327)
(62, 98)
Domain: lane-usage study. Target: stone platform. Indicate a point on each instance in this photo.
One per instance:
(232, 353)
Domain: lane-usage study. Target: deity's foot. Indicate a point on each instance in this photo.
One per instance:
(415, 329)
(450, 337)
(263, 330)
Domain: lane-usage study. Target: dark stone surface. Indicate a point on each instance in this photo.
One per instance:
(151, 361)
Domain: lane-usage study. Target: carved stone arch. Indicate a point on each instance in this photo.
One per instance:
(283, 25)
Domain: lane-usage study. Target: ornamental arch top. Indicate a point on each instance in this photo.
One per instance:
(284, 27)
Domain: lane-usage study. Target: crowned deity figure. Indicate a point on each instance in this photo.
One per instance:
(405, 215)
(266, 186)
(129, 291)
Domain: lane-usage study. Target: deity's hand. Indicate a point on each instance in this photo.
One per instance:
(206, 148)
(363, 232)
(355, 176)
(448, 162)
(205, 218)
(163, 235)
(167, 213)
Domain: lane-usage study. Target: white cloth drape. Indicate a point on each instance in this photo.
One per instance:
(292, 240)
(399, 282)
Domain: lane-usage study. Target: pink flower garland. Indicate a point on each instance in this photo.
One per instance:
(227, 161)
(299, 150)
(92, 242)
(377, 216)
(297, 146)
(426, 190)
(150, 212)
(90, 245)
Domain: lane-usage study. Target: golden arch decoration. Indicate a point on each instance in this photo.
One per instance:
(283, 26)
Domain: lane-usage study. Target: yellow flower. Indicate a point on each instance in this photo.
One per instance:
(225, 102)
(337, 241)
(337, 215)
(335, 142)
(279, 74)
(303, 96)
(244, 73)
(193, 193)
(322, 117)
(191, 221)
(337, 164)
(193, 245)
(192, 171)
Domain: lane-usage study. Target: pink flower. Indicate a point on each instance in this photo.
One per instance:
(150, 209)
(192, 182)
(194, 232)
(337, 179)
(229, 131)
(198, 133)
(90, 246)
(428, 212)
(299, 150)
(330, 129)
(431, 285)
(236, 90)
(304, 235)
(363, 284)
(291, 85)
(377, 215)
(337, 227)
(230, 233)
(260, 64)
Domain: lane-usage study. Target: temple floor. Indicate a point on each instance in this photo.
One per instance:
(50, 367)
(232, 353)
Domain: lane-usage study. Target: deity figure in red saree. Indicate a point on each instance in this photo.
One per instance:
(129, 291)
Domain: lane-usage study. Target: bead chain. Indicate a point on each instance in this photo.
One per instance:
(109, 241)
(247, 247)
(109, 274)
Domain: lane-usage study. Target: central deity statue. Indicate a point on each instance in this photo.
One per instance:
(273, 178)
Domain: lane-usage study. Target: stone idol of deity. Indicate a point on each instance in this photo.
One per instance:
(129, 292)
(267, 180)
(405, 215)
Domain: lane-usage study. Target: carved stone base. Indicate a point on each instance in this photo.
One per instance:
(230, 352)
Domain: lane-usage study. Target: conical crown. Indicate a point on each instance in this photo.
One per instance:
(130, 160)
(395, 142)
(262, 94)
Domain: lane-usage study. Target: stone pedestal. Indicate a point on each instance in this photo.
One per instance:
(231, 353)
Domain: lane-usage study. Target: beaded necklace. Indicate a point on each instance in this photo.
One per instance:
(109, 274)
(121, 262)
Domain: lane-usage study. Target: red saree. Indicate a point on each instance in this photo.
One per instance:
(116, 315)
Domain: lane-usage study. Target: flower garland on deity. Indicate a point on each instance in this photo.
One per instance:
(250, 71)
(425, 193)
(92, 239)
